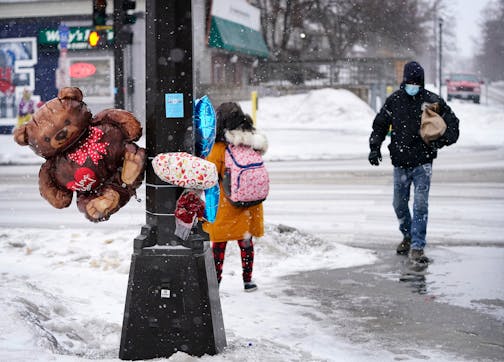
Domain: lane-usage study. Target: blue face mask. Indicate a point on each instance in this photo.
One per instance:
(412, 89)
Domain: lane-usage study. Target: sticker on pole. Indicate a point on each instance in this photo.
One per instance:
(174, 103)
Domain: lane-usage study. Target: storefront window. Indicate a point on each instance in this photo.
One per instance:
(94, 76)
(17, 59)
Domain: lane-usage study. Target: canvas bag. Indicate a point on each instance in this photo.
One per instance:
(432, 125)
(246, 180)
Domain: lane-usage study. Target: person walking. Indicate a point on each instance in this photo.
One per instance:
(411, 156)
(232, 222)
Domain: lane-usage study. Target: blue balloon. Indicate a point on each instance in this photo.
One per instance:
(211, 203)
(204, 126)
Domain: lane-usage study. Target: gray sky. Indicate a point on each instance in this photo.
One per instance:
(468, 15)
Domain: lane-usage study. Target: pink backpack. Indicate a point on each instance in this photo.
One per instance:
(246, 180)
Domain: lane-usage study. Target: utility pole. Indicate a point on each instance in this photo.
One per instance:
(440, 21)
(123, 36)
(118, 57)
(172, 301)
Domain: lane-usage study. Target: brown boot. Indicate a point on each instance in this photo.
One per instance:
(417, 256)
(404, 246)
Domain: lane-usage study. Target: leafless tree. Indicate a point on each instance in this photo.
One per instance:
(282, 21)
(341, 24)
(491, 54)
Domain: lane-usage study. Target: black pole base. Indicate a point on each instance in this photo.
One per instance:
(172, 304)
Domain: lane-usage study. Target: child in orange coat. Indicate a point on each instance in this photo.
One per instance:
(231, 222)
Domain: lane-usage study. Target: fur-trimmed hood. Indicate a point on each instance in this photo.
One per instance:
(255, 139)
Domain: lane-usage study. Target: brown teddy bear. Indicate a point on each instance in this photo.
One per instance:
(93, 156)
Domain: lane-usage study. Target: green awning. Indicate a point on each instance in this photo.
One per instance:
(228, 35)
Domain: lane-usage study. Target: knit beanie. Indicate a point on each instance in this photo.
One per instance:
(413, 74)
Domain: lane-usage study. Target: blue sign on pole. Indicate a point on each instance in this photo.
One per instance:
(64, 33)
(174, 105)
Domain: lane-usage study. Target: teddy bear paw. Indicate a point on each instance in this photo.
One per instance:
(99, 208)
(133, 165)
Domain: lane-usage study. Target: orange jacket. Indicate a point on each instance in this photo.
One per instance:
(232, 223)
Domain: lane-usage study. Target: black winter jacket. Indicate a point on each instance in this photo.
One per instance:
(403, 112)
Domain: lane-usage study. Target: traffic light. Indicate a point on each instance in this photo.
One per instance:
(128, 17)
(94, 38)
(99, 12)
(97, 38)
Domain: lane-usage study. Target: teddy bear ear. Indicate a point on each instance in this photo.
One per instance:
(21, 135)
(72, 93)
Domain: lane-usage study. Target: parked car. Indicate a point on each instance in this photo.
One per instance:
(464, 86)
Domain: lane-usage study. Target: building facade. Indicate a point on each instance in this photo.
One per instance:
(227, 44)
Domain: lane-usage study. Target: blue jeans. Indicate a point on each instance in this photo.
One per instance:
(416, 227)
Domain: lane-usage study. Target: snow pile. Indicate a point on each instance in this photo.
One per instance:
(328, 122)
(58, 302)
(480, 126)
(330, 109)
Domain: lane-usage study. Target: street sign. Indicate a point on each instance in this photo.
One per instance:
(64, 34)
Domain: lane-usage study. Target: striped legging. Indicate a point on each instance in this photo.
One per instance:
(247, 257)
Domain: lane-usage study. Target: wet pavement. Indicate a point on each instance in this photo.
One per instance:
(455, 306)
